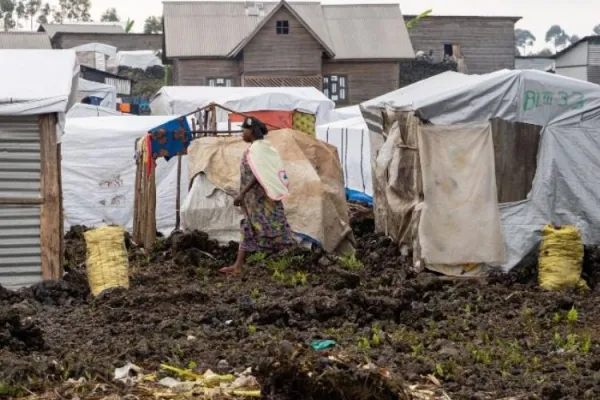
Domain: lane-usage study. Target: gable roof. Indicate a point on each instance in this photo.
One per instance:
(595, 38)
(24, 41)
(222, 29)
(54, 29)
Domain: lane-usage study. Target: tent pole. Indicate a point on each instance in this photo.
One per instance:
(178, 198)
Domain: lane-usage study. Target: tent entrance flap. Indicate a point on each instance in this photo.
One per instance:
(460, 220)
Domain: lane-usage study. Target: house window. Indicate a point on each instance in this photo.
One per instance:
(448, 50)
(283, 27)
(219, 82)
(335, 87)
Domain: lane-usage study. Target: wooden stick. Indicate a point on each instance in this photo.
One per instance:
(178, 198)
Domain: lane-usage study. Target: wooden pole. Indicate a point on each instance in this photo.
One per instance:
(178, 198)
(50, 190)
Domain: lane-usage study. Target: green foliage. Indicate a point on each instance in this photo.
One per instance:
(350, 262)
(110, 15)
(153, 25)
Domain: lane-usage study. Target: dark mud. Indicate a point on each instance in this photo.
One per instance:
(481, 339)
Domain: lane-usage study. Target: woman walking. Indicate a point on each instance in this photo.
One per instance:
(263, 186)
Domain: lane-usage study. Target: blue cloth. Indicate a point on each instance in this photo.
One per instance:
(359, 197)
(171, 138)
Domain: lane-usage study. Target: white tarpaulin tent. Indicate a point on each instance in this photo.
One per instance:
(98, 172)
(180, 100)
(87, 110)
(351, 137)
(139, 59)
(566, 187)
(38, 82)
(343, 113)
(107, 93)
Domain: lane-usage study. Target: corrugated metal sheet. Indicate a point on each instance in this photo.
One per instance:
(20, 256)
(19, 158)
(24, 41)
(123, 85)
(365, 31)
(214, 29)
(207, 28)
(53, 29)
(20, 251)
(594, 54)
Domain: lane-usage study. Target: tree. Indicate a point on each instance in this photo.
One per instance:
(129, 25)
(153, 25)
(32, 8)
(524, 40)
(597, 30)
(546, 52)
(7, 9)
(110, 15)
(574, 39)
(557, 37)
(72, 10)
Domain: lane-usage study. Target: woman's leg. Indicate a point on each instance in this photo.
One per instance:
(236, 268)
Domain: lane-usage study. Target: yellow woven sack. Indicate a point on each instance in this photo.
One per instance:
(107, 262)
(561, 258)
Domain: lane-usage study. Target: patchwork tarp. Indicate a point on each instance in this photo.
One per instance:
(565, 189)
(316, 207)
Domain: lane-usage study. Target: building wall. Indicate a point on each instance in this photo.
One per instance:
(580, 72)
(487, 44)
(297, 53)
(593, 71)
(576, 57)
(366, 80)
(195, 72)
(122, 41)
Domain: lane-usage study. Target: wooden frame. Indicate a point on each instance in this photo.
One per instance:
(51, 213)
(328, 87)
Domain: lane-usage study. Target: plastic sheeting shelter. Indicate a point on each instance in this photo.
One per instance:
(316, 207)
(107, 93)
(565, 188)
(180, 100)
(99, 169)
(36, 89)
(87, 110)
(351, 138)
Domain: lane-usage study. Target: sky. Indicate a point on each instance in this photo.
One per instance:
(575, 16)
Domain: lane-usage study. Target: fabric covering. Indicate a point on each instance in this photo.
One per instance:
(99, 169)
(268, 169)
(304, 122)
(170, 139)
(316, 206)
(87, 110)
(566, 188)
(180, 100)
(460, 220)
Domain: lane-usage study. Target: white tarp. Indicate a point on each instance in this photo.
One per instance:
(87, 110)
(37, 81)
(460, 220)
(351, 137)
(140, 59)
(565, 189)
(98, 173)
(96, 48)
(340, 114)
(107, 93)
(180, 100)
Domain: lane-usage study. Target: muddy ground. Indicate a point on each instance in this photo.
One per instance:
(480, 339)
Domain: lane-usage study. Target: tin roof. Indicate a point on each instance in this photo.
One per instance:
(222, 29)
(96, 27)
(24, 41)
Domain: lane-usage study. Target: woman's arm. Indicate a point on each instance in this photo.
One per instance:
(249, 186)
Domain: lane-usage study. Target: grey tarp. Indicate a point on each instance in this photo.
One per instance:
(566, 187)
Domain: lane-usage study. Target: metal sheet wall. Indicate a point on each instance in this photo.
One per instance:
(20, 255)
